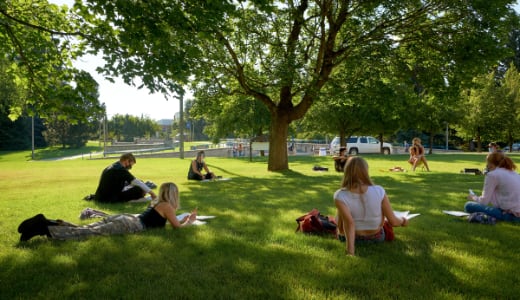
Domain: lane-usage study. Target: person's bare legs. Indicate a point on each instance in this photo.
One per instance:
(415, 162)
(423, 159)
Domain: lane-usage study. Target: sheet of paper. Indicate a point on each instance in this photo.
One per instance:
(216, 179)
(205, 217)
(197, 222)
(456, 213)
(199, 218)
(405, 214)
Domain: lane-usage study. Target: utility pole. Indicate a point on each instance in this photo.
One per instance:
(32, 137)
(181, 125)
(105, 134)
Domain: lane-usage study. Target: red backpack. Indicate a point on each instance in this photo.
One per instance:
(315, 223)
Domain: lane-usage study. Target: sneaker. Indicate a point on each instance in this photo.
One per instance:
(89, 213)
(150, 185)
(89, 197)
(482, 218)
(36, 225)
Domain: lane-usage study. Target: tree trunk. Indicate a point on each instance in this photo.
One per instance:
(278, 158)
(380, 137)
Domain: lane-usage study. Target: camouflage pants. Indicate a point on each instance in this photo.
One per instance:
(116, 224)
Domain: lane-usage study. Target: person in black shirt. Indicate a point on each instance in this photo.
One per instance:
(117, 184)
(196, 166)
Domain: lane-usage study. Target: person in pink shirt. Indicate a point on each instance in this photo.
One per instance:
(501, 193)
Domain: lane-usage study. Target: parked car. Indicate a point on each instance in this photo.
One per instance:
(361, 144)
(516, 147)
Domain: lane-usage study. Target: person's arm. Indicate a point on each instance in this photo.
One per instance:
(349, 226)
(388, 212)
(490, 184)
(194, 167)
(206, 168)
(144, 187)
(169, 213)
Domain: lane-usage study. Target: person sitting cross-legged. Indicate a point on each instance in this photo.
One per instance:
(117, 184)
(196, 167)
(500, 197)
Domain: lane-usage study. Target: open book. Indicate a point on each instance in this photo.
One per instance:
(405, 214)
(216, 179)
(456, 213)
(198, 221)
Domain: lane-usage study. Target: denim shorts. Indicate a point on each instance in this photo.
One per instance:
(373, 238)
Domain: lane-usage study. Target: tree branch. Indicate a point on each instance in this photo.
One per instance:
(41, 28)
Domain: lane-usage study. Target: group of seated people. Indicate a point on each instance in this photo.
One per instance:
(364, 211)
(363, 208)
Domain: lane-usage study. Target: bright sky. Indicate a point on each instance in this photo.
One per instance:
(120, 98)
(123, 99)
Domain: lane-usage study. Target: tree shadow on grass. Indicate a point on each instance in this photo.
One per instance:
(250, 250)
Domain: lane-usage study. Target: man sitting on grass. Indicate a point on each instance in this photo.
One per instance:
(117, 184)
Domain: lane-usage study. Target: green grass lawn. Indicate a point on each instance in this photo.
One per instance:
(251, 250)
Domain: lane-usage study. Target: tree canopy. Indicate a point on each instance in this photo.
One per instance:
(38, 45)
(283, 53)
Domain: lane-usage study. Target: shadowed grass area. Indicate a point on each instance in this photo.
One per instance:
(250, 250)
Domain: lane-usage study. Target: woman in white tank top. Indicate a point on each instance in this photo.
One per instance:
(362, 207)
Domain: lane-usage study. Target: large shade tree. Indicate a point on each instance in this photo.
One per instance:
(280, 52)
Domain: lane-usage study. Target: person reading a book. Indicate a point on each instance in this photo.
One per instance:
(161, 210)
(417, 155)
(196, 167)
(501, 193)
(117, 184)
(362, 207)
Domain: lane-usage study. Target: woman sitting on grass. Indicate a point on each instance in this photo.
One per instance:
(417, 155)
(161, 210)
(196, 166)
(501, 190)
(362, 207)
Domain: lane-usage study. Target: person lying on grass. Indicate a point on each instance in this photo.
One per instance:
(501, 193)
(161, 210)
(362, 207)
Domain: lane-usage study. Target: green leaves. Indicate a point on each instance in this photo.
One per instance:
(38, 47)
